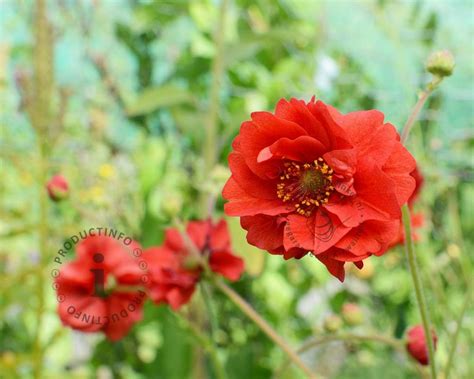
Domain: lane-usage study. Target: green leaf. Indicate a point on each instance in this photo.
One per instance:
(254, 257)
(154, 98)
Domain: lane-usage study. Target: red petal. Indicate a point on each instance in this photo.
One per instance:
(178, 297)
(248, 181)
(264, 232)
(88, 306)
(398, 167)
(303, 149)
(343, 162)
(199, 232)
(262, 131)
(173, 239)
(359, 125)
(374, 187)
(371, 237)
(297, 112)
(121, 304)
(220, 238)
(336, 268)
(227, 265)
(241, 204)
(338, 138)
(317, 233)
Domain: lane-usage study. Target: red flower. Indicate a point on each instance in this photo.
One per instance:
(85, 302)
(174, 271)
(416, 344)
(58, 188)
(417, 219)
(309, 179)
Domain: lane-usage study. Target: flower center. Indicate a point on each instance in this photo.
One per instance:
(306, 185)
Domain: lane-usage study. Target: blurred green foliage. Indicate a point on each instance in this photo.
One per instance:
(131, 82)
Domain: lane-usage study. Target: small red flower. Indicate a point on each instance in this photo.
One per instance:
(174, 271)
(58, 188)
(416, 344)
(310, 179)
(86, 302)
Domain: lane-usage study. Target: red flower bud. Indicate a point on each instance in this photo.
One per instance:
(416, 344)
(58, 188)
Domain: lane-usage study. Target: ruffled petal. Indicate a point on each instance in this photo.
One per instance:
(264, 232)
(241, 204)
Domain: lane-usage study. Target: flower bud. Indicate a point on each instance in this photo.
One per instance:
(58, 188)
(332, 323)
(352, 314)
(172, 204)
(416, 344)
(440, 63)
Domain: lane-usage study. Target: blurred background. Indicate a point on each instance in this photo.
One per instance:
(116, 94)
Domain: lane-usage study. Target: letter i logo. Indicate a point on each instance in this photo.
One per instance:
(99, 279)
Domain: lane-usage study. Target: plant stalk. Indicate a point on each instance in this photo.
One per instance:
(420, 297)
(210, 145)
(409, 246)
(454, 338)
(39, 111)
(205, 343)
(264, 326)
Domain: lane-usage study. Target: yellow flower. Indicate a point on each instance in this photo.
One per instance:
(96, 193)
(106, 171)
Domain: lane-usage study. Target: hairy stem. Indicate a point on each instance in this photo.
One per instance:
(418, 106)
(420, 297)
(212, 321)
(409, 246)
(264, 326)
(205, 343)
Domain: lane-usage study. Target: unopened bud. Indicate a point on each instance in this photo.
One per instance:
(416, 344)
(172, 204)
(58, 188)
(440, 63)
(352, 314)
(332, 323)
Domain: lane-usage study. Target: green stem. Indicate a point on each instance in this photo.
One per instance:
(454, 338)
(40, 115)
(205, 343)
(393, 342)
(210, 309)
(210, 144)
(410, 253)
(409, 246)
(212, 318)
(418, 106)
(263, 325)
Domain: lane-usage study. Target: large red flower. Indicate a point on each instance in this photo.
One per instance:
(90, 299)
(174, 269)
(310, 179)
